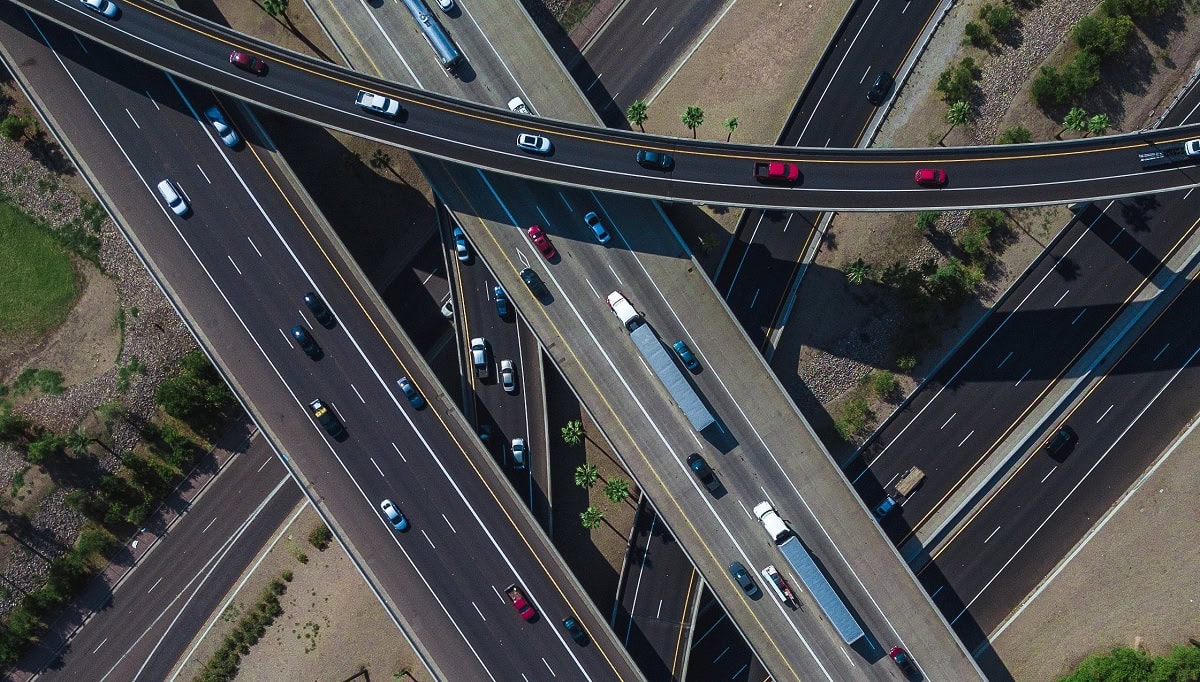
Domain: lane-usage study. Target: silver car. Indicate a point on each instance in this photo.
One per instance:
(104, 7)
(520, 453)
(508, 376)
(225, 131)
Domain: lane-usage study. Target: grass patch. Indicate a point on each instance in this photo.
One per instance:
(18, 482)
(37, 279)
(574, 12)
(47, 381)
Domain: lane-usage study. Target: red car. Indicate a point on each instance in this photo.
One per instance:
(904, 661)
(538, 236)
(248, 62)
(520, 603)
(930, 177)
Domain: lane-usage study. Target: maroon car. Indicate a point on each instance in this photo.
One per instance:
(930, 177)
(248, 62)
(538, 236)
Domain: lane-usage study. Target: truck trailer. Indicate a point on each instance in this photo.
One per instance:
(810, 574)
(661, 362)
(1170, 154)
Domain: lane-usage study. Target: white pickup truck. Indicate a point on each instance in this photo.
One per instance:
(378, 104)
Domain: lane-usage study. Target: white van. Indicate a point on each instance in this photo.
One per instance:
(624, 310)
(173, 197)
(769, 518)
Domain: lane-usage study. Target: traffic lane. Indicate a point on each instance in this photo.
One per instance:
(244, 364)
(715, 548)
(417, 295)
(1077, 294)
(766, 262)
(644, 32)
(1075, 169)
(1122, 426)
(719, 652)
(215, 539)
(655, 602)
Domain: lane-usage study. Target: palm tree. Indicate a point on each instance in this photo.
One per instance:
(78, 441)
(731, 125)
(616, 490)
(858, 272)
(1098, 124)
(591, 517)
(277, 8)
(635, 113)
(586, 475)
(572, 433)
(692, 117)
(958, 114)
(1076, 120)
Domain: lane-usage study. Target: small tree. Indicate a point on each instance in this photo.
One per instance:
(999, 18)
(1076, 120)
(858, 272)
(586, 475)
(956, 81)
(927, 219)
(731, 125)
(1098, 124)
(380, 160)
(692, 117)
(44, 447)
(14, 127)
(572, 433)
(320, 537)
(78, 441)
(591, 517)
(958, 114)
(635, 113)
(616, 490)
(277, 8)
(977, 35)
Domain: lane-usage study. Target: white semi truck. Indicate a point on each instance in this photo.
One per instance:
(810, 574)
(661, 362)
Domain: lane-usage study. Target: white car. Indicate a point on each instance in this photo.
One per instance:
(517, 106)
(393, 515)
(508, 376)
(104, 7)
(225, 131)
(1192, 147)
(446, 5)
(593, 221)
(479, 357)
(520, 453)
(460, 245)
(174, 198)
(534, 143)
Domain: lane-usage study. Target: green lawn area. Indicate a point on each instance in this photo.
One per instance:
(37, 280)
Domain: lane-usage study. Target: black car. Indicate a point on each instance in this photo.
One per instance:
(307, 343)
(703, 472)
(324, 415)
(575, 630)
(1058, 445)
(319, 310)
(879, 88)
(655, 160)
(536, 286)
(738, 571)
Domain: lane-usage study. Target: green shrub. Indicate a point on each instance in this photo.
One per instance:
(1048, 88)
(853, 419)
(927, 219)
(1014, 135)
(999, 18)
(906, 363)
(884, 384)
(957, 80)
(320, 537)
(46, 446)
(1103, 36)
(977, 35)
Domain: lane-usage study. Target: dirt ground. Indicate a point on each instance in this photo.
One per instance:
(326, 611)
(1135, 579)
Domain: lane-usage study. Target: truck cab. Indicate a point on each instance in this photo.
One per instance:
(624, 310)
(771, 521)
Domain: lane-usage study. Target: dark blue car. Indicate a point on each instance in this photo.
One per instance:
(501, 301)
